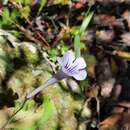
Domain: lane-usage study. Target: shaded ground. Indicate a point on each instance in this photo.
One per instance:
(102, 100)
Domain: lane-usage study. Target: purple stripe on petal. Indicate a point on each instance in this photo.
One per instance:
(72, 72)
(72, 69)
(67, 64)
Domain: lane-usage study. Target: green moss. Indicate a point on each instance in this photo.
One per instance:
(30, 52)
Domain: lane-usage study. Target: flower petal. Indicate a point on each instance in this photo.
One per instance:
(60, 60)
(80, 62)
(81, 75)
(68, 58)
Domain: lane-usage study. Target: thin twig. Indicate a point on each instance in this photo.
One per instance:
(3, 127)
(30, 35)
(98, 109)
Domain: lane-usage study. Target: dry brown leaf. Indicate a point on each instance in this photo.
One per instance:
(108, 20)
(126, 16)
(105, 36)
(121, 54)
(125, 38)
(92, 91)
(111, 120)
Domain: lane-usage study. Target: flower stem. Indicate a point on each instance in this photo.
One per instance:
(40, 88)
(33, 93)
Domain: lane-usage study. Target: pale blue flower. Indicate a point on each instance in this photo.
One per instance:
(70, 67)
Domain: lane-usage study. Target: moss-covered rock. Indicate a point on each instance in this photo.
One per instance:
(30, 52)
(57, 107)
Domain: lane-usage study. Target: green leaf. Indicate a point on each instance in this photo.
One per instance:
(84, 25)
(62, 2)
(26, 2)
(77, 45)
(5, 16)
(82, 45)
(25, 11)
(49, 110)
(42, 4)
(63, 48)
(86, 22)
(53, 54)
(14, 14)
